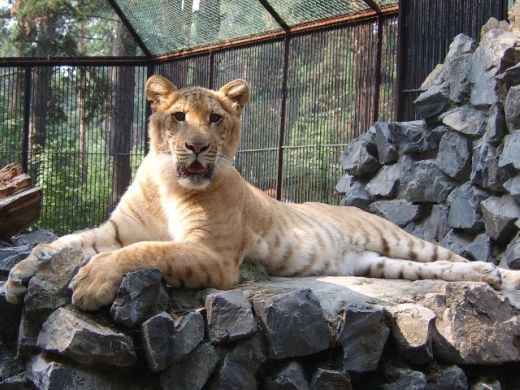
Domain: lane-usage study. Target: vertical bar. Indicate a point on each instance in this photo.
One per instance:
(287, 45)
(211, 70)
(149, 72)
(401, 51)
(379, 57)
(26, 118)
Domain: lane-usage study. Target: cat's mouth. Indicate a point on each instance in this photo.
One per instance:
(195, 169)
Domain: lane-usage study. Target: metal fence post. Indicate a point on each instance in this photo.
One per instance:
(281, 138)
(149, 72)
(26, 118)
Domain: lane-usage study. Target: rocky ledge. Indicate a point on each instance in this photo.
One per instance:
(270, 333)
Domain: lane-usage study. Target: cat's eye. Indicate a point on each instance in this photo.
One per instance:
(179, 116)
(215, 118)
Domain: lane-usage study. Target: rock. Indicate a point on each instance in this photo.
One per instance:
(324, 379)
(485, 170)
(464, 202)
(136, 298)
(9, 256)
(404, 378)
(500, 215)
(486, 382)
(415, 138)
(427, 183)
(454, 155)
(510, 77)
(512, 255)
(456, 241)
(79, 338)
(432, 228)
(474, 325)
(294, 323)
(480, 248)
(253, 272)
(451, 378)
(510, 154)
(195, 369)
(35, 238)
(386, 143)
(15, 382)
(9, 364)
(9, 318)
(49, 289)
(399, 211)
(291, 377)
(229, 316)
(434, 101)
(363, 336)
(355, 193)
(26, 344)
(495, 125)
(465, 120)
(386, 181)
(512, 109)
(186, 299)
(412, 329)
(513, 187)
(359, 159)
(165, 343)
(495, 54)
(46, 374)
(239, 366)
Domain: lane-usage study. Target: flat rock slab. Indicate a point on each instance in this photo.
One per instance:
(69, 333)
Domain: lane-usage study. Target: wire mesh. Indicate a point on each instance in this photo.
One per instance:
(12, 82)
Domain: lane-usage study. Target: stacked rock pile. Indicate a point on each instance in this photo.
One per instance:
(452, 177)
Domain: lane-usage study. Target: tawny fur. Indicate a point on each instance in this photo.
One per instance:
(198, 228)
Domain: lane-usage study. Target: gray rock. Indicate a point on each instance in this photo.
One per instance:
(76, 336)
(480, 248)
(412, 329)
(253, 272)
(195, 369)
(511, 153)
(495, 125)
(415, 137)
(454, 155)
(10, 256)
(512, 108)
(49, 287)
(386, 182)
(229, 316)
(46, 374)
(427, 183)
(434, 101)
(386, 142)
(434, 227)
(510, 77)
(239, 366)
(495, 54)
(9, 364)
(399, 211)
(359, 159)
(136, 298)
(35, 238)
(500, 215)
(186, 299)
(355, 193)
(513, 187)
(465, 120)
(404, 378)
(464, 202)
(324, 379)
(291, 377)
(9, 318)
(165, 343)
(294, 323)
(363, 336)
(486, 382)
(15, 382)
(451, 378)
(456, 241)
(474, 324)
(26, 343)
(512, 254)
(486, 172)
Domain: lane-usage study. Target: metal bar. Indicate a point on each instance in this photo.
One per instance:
(276, 16)
(130, 28)
(150, 69)
(68, 61)
(26, 118)
(211, 70)
(379, 58)
(401, 50)
(281, 137)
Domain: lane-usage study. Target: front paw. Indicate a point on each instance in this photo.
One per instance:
(96, 284)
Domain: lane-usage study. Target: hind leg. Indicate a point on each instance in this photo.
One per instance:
(374, 265)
